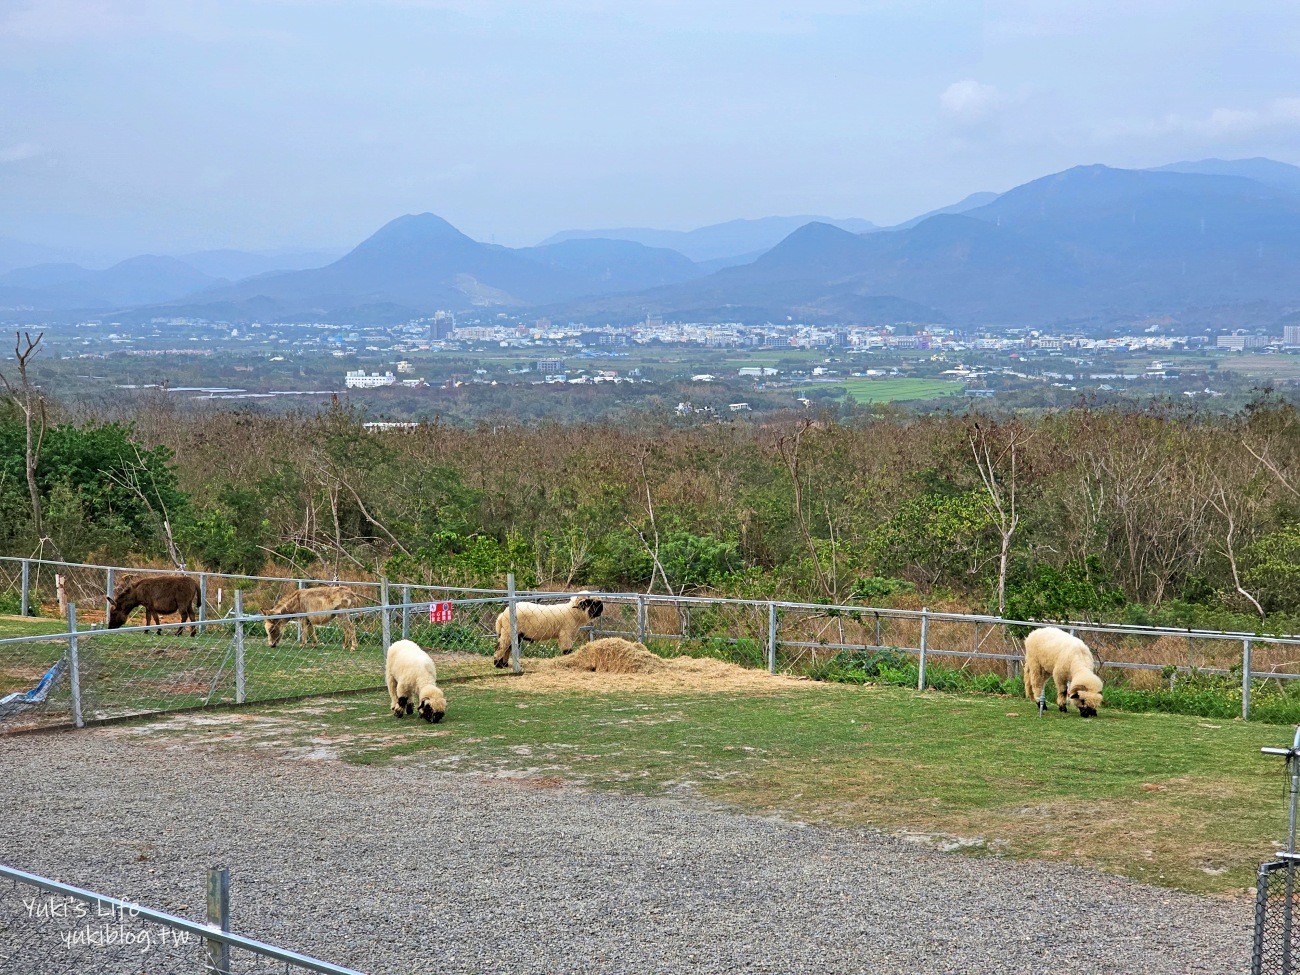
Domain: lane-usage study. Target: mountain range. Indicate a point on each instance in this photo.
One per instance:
(1212, 240)
(717, 245)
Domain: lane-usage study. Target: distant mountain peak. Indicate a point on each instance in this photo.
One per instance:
(415, 229)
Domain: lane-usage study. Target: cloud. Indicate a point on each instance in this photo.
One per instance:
(1281, 116)
(19, 152)
(970, 103)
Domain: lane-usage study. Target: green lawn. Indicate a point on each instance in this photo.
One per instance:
(895, 390)
(1172, 800)
(30, 626)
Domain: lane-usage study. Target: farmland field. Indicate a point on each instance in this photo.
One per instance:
(896, 390)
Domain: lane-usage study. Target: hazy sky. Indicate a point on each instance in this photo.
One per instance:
(132, 125)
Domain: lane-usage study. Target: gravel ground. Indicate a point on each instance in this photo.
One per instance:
(399, 869)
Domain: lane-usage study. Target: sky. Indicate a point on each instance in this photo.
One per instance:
(162, 126)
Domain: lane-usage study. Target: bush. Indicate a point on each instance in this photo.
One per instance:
(879, 587)
(1073, 591)
(11, 603)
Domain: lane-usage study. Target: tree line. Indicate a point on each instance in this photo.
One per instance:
(1158, 513)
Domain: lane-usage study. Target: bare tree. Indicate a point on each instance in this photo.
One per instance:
(652, 548)
(131, 478)
(996, 458)
(31, 404)
(790, 446)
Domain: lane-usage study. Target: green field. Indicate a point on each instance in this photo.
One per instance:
(1181, 802)
(894, 390)
(129, 673)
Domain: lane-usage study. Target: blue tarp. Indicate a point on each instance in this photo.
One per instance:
(19, 699)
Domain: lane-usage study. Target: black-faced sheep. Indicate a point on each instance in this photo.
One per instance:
(413, 682)
(313, 606)
(1050, 652)
(559, 622)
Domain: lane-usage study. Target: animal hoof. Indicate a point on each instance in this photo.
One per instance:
(499, 663)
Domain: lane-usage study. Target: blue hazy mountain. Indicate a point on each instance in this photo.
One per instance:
(735, 239)
(1278, 175)
(1091, 244)
(961, 206)
(64, 286)
(420, 263)
(21, 253)
(611, 266)
(234, 265)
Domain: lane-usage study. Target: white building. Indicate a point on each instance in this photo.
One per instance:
(360, 379)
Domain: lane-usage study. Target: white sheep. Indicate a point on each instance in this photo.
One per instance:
(1050, 652)
(558, 621)
(411, 676)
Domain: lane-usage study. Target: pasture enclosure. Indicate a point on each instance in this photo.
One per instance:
(71, 670)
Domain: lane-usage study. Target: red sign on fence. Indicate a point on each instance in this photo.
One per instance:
(440, 612)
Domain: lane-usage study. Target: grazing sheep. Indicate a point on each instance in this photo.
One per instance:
(559, 622)
(313, 608)
(411, 677)
(158, 595)
(1050, 652)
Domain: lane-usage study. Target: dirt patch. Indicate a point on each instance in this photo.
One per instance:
(613, 664)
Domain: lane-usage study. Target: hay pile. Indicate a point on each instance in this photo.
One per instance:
(612, 655)
(612, 664)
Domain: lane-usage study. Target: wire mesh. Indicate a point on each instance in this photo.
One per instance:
(35, 684)
(1275, 908)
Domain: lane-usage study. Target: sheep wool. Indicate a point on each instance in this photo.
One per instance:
(413, 682)
(1050, 652)
(537, 622)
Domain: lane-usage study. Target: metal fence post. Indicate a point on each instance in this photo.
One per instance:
(1245, 679)
(218, 952)
(385, 624)
(406, 612)
(74, 666)
(925, 633)
(640, 619)
(515, 665)
(27, 587)
(877, 629)
(239, 646)
(203, 600)
(771, 637)
(110, 577)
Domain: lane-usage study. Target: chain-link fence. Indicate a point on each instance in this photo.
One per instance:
(51, 928)
(84, 675)
(1274, 950)
(235, 658)
(41, 588)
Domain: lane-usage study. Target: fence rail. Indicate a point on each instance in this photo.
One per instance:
(182, 945)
